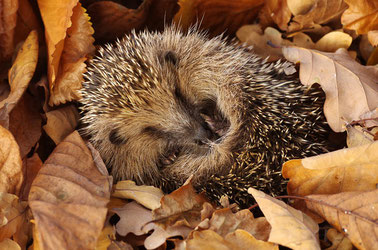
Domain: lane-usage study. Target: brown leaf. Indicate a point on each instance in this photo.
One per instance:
(77, 46)
(27, 21)
(275, 11)
(300, 7)
(31, 167)
(68, 197)
(12, 214)
(61, 122)
(133, 219)
(339, 241)
(180, 212)
(351, 89)
(353, 213)
(223, 222)
(25, 123)
(148, 196)
(21, 73)
(9, 245)
(290, 227)
(112, 20)
(217, 16)
(10, 163)
(321, 11)
(239, 239)
(361, 16)
(8, 17)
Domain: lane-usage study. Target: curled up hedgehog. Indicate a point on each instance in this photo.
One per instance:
(162, 106)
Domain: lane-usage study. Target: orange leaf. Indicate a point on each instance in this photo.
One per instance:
(361, 16)
(21, 72)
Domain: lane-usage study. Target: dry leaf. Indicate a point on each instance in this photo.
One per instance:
(224, 221)
(106, 237)
(8, 17)
(321, 11)
(361, 16)
(25, 123)
(9, 245)
(61, 122)
(339, 241)
(148, 196)
(275, 11)
(353, 213)
(373, 38)
(333, 41)
(351, 169)
(243, 240)
(240, 239)
(31, 167)
(56, 17)
(27, 21)
(68, 197)
(180, 212)
(133, 219)
(21, 72)
(77, 46)
(253, 35)
(351, 89)
(217, 16)
(290, 227)
(357, 136)
(300, 7)
(12, 214)
(10, 163)
(112, 20)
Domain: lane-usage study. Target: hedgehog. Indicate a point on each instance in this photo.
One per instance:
(163, 106)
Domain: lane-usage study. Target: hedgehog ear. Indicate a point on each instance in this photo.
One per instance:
(171, 57)
(115, 138)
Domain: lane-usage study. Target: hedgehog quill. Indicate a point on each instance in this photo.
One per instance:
(161, 106)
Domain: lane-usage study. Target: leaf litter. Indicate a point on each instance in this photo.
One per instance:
(55, 189)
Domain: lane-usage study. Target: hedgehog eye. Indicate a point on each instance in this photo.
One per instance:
(115, 138)
(171, 57)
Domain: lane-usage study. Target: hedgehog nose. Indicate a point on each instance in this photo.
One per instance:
(202, 135)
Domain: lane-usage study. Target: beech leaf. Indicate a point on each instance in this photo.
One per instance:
(68, 197)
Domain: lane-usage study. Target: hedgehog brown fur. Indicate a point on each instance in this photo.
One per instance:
(163, 106)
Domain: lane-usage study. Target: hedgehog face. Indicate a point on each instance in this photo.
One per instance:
(156, 110)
